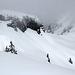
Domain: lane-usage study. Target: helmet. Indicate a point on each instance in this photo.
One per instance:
(10, 41)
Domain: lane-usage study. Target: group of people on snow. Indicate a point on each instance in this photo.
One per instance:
(11, 48)
(70, 60)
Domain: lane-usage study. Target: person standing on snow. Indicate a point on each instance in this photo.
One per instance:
(11, 47)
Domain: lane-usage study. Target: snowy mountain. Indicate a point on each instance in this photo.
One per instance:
(32, 51)
(20, 20)
(62, 25)
(65, 24)
(17, 14)
(30, 43)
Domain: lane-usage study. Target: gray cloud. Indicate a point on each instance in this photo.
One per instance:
(46, 10)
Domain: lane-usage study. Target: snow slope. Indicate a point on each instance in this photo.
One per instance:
(35, 47)
(20, 65)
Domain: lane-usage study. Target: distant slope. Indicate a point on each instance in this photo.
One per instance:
(65, 24)
(17, 14)
(62, 25)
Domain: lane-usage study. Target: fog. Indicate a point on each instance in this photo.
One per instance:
(46, 10)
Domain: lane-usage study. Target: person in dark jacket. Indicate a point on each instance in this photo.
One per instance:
(70, 60)
(7, 49)
(48, 58)
(11, 47)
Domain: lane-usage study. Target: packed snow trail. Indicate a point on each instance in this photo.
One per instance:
(36, 47)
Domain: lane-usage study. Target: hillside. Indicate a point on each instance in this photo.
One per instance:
(11, 64)
(62, 25)
(32, 49)
(35, 46)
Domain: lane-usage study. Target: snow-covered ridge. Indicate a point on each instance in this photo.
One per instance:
(17, 14)
(65, 24)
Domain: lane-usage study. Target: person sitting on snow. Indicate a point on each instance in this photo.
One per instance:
(6, 49)
(70, 60)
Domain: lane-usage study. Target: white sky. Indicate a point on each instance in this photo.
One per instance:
(44, 9)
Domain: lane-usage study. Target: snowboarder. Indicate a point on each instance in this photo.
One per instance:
(70, 60)
(48, 58)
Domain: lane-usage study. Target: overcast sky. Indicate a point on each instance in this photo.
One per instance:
(44, 9)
